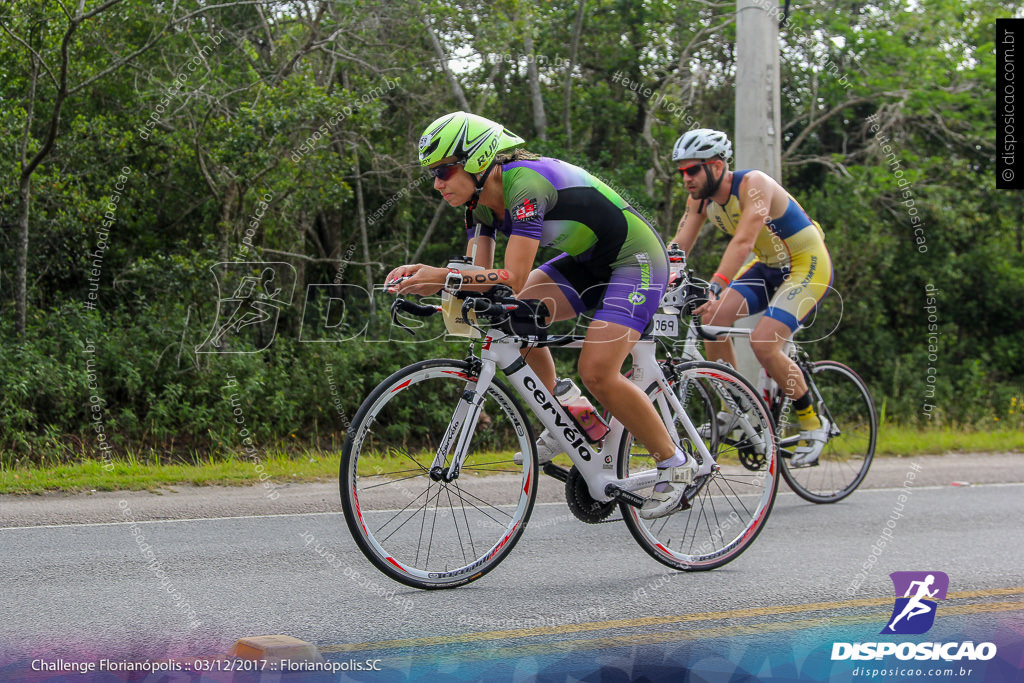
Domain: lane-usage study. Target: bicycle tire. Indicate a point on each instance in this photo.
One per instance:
(840, 394)
(465, 527)
(735, 500)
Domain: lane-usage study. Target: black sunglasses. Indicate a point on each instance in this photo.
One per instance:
(445, 171)
(693, 169)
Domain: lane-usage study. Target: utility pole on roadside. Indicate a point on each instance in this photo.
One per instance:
(758, 137)
(757, 140)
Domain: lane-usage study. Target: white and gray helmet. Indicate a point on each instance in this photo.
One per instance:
(702, 143)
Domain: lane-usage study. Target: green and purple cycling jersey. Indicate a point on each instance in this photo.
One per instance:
(613, 260)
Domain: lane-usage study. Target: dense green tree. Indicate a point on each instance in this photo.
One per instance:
(272, 131)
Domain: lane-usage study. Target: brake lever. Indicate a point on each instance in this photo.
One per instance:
(395, 305)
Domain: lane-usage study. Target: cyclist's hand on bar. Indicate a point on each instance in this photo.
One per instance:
(416, 279)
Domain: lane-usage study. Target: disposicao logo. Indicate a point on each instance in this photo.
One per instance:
(916, 593)
(914, 613)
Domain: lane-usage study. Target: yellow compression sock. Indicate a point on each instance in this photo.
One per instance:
(808, 419)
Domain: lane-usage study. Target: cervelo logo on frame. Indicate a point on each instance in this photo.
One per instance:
(913, 613)
(914, 610)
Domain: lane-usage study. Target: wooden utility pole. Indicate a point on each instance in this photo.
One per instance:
(757, 142)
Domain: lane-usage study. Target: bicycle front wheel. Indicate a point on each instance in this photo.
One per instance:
(732, 504)
(841, 396)
(418, 528)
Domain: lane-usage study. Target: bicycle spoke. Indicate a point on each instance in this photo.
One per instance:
(729, 507)
(841, 397)
(733, 499)
(426, 502)
(392, 481)
(451, 507)
(488, 469)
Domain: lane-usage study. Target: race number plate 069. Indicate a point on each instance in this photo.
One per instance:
(665, 325)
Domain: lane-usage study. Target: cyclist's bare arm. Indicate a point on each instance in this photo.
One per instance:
(690, 225)
(484, 251)
(421, 279)
(756, 197)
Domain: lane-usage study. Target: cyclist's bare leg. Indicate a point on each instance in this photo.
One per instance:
(604, 351)
(540, 286)
(768, 341)
(732, 307)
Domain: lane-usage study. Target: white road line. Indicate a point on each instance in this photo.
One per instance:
(538, 505)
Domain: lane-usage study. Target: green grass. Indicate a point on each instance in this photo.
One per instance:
(893, 440)
(132, 473)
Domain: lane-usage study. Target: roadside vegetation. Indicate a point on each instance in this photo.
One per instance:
(134, 472)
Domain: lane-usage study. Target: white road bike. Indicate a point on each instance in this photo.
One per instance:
(434, 500)
(837, 392)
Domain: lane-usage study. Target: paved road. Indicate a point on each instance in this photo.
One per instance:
(180, 502)
(86, 589)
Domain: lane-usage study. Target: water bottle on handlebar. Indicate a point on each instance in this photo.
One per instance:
(451, 307)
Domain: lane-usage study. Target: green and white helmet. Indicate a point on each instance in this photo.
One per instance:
(469, 137)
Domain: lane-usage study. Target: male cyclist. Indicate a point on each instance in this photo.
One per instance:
(612, 261)
(776, 262)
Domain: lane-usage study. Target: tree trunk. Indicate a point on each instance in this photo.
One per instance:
(361, 218)
(577, 31)
(441, 206)
(29, 166)
(442, 59)
(21, 259)
(540, 120)
(226, 225)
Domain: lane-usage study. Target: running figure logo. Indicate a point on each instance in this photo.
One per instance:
(914, 612)
(258, 293)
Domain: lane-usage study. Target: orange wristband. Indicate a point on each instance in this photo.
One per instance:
(724, 278)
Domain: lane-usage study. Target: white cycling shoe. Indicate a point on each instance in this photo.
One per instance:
(812, 442)
(547, 449)
(672, 498)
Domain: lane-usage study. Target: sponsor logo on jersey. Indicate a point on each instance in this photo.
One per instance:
(525, 211)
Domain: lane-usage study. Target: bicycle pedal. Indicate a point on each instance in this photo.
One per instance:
(804, 466)
(553, 470)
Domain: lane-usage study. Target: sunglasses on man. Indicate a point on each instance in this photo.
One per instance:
(693, 169)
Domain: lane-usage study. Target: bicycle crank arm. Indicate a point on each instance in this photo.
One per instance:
(624, 496)
(553, 470)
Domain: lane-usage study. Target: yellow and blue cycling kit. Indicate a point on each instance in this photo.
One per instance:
(791, 270)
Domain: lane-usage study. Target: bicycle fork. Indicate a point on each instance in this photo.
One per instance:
(462, 425)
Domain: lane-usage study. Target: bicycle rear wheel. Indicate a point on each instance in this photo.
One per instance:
(419, 529)
(733, 503)
(840, 395)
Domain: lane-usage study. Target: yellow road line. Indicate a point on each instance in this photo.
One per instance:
(711, 633)
(677, 619)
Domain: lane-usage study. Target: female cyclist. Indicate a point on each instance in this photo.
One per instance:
(612, 261)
